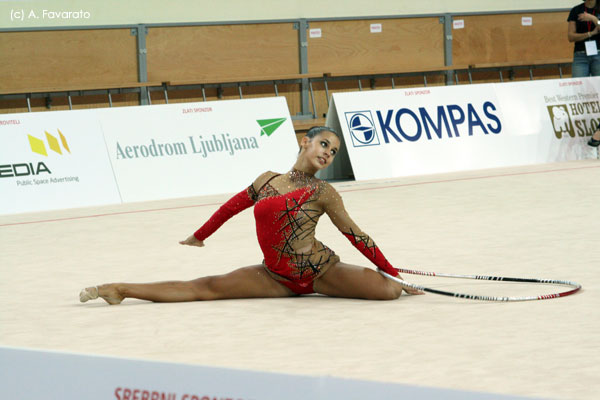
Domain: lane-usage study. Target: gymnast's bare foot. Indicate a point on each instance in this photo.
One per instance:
(108, 293)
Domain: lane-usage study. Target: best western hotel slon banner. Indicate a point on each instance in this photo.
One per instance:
(66, 159)
(391, 133)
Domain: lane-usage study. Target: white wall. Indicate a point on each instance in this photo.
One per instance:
(30, 13)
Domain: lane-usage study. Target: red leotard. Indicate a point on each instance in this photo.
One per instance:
(287, 209)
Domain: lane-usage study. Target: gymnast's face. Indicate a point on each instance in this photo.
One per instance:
(320, 151)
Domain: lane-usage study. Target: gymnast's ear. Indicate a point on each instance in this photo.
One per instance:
(304, 142)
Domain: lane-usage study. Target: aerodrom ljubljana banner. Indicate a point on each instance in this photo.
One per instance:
(67, 159)
(182, 150)
(403, 132)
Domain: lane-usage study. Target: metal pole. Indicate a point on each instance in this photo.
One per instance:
(312, 98)
(447, 20)
(302, 26)
(166, 95)
(141, 31)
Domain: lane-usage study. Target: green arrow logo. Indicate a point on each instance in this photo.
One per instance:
(268, 126)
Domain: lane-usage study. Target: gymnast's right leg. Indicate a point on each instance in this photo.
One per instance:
(247, 282)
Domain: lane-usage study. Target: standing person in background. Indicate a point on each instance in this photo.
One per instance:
(583, 31)
(584, 18)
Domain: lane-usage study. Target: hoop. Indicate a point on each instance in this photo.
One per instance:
(575, 286)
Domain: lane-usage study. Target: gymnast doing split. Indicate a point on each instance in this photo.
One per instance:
(287, 208)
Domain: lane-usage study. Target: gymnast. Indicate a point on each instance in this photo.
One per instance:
(287, 208)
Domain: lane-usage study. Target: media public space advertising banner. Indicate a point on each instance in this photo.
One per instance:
(53, 160)
(192, 149)
(402, 132)
(66, 159)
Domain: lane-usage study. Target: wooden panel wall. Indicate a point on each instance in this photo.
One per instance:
(109, 56)
(502, 38)
(222, 51)
(40, 59)
(350, 46)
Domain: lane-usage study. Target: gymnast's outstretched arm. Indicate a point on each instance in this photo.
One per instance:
(334, 207)
(344, 280)
(238, 203)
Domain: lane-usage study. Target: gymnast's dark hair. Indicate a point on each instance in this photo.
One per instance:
(315, 130)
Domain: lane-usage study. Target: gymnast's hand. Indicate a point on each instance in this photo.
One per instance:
(192, 241)
(410, 290)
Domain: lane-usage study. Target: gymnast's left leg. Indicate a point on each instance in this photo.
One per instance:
(245, 282)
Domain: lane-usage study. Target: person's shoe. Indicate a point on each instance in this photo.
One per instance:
(93, 292)
(593, 142)
(90, 293)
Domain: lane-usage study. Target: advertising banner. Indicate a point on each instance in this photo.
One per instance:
(402, 132)
(558, 116)
(194, 149)
(53, 160)
(28, 374)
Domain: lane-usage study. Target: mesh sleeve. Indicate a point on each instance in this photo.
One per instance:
(334, 207)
